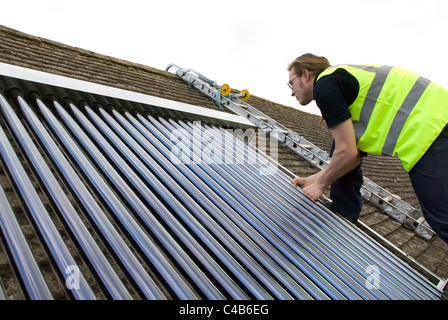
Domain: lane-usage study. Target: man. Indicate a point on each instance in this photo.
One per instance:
(383, 110)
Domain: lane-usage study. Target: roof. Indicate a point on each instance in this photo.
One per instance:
(35, 53)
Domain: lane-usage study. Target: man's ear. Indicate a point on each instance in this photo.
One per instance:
(306, 73)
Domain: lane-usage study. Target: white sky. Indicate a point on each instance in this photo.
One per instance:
(247, 44)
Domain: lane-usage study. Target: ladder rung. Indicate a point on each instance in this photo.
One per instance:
(261, 118)
(305, 146)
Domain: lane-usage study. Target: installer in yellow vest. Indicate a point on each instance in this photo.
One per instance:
(382, 110)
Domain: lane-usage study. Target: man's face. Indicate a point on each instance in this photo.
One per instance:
(302, 86)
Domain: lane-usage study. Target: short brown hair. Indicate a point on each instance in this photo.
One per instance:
(314, 64)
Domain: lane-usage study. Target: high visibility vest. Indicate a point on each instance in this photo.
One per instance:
(396, 112)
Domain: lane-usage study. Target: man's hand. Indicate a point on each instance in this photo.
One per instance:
(345, 158)
(310, 186)
(298, 181)
(313, 191)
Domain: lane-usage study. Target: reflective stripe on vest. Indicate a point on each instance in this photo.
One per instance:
(394, 125)
(381, 74)
(403, 113)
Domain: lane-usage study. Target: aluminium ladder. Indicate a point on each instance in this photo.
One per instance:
(374, 194)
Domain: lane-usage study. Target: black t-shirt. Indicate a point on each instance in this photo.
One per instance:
(333, 94)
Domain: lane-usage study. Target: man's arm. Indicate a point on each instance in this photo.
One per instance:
(345, 158)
